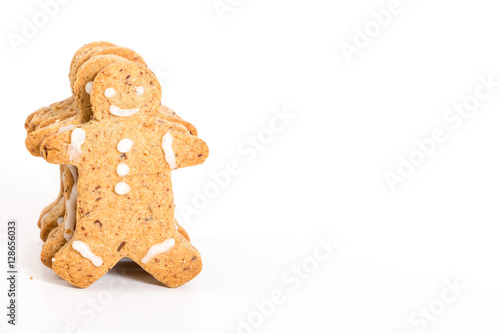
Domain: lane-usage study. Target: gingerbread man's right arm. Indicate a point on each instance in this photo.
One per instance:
(63, 148)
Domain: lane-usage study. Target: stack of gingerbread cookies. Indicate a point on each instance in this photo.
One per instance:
(116, 146)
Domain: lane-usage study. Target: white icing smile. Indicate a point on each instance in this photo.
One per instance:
(117, 111)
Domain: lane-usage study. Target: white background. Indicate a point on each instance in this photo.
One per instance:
(321, 176)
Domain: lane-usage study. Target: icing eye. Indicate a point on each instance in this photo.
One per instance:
(88, 87)
(139, 91)
(110, 92)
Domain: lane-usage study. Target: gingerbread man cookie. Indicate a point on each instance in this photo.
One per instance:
(123, 158)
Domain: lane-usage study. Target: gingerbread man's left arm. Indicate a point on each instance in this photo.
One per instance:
(183, 149)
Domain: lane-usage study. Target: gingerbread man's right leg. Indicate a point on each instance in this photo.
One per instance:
(54, 242)
(49, 207)
(52, 219)
(82, 260)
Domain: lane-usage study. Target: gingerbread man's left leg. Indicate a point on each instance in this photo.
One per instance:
(171, 259)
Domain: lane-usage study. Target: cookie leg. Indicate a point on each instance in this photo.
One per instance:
(54, 203)
(181, 230)
(47, 210)
(175, 267)
(54, 242)
(52, 219)
(82, 262)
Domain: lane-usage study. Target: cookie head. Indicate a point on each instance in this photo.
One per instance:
(124, 90)
(83, 54)
(85, 76)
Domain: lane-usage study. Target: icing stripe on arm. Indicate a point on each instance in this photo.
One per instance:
(166, 145)
(75, 148)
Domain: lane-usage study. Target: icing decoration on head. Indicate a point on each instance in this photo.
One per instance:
(139, 91)
(84, 79)
(117, 111)
(128, 100)
(88, 87)
(110, 92)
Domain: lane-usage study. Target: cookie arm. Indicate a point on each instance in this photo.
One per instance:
(55, 148)
(170, 115)
(183, 149)
(64, 147)
(35, 138)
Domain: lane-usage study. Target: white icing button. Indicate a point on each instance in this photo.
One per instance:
(117, 111)
(110, 92)
(124, 145)
(166, 145)
(75, 148)
(157, 249)
(88, 87)
(86, 252)
(139, 91)
(122, 169)
(122, 188)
